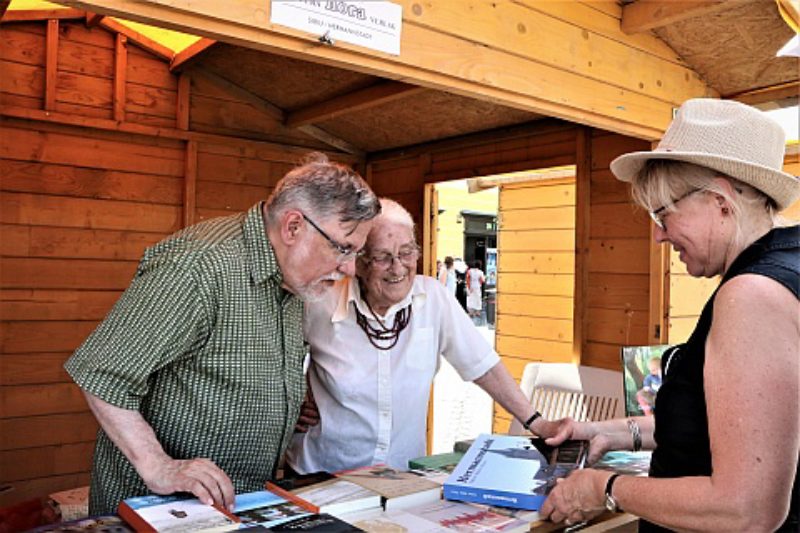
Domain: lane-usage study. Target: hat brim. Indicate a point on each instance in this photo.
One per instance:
(782, 187)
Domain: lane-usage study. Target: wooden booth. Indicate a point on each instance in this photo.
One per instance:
(109, 141)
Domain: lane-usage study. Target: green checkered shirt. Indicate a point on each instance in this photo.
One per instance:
(209, 348)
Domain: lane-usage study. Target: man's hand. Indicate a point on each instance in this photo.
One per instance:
(309, 413)
(560, 430)
(201, 477)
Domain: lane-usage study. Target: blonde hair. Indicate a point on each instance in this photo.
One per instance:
(661, 181)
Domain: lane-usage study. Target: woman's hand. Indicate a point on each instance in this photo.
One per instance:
(579, 497)
(557, 431)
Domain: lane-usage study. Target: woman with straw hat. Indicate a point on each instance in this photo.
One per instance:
(726, 431)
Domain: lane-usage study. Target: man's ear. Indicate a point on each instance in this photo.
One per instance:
(291, 226)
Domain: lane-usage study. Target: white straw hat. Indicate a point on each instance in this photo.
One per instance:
(727, 136)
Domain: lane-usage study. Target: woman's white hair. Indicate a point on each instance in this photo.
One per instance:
(391, 211)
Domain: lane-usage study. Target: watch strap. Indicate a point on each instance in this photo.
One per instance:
(609, 496)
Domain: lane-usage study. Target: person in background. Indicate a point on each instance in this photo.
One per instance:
(447, 275)
(196, 374)
(375, 345)
(646, 396)
(726, 430)
(474, 282)
(461, 282)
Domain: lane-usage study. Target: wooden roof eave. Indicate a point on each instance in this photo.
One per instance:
(570, 88)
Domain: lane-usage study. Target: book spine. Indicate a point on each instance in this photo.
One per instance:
(294, 498)
(133, 519)
(501, 498)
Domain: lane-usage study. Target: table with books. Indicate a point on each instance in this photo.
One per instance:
(497, 484)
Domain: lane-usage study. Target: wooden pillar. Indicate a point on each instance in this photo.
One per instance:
(583, 184)
(120, 76)
(51, 66)
(190, 184)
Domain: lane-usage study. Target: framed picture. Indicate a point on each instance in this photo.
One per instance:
(642, 377)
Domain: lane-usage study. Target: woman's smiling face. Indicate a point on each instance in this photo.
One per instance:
(387, 270)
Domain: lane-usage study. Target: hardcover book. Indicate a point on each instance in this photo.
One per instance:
(510, 471)
(323, 523)
(174, 513)
(397, 489)
(334, 497)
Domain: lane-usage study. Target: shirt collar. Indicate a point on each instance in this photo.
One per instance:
(349, 291)
(263, 263)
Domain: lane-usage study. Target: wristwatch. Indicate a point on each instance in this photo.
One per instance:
(611, 502)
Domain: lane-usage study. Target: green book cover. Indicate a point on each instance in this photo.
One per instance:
(440, 461)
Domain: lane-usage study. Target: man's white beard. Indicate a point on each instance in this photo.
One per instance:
(316, 290)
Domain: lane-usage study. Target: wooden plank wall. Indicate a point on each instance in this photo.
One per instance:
(80, 205)
(618, 291)
(536, 276)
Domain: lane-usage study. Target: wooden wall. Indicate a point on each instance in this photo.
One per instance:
(618, 286)
(82, 197)
(536, 276)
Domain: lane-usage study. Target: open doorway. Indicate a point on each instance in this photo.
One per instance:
(522, 227)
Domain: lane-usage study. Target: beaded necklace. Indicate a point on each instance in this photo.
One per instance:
(382, 334)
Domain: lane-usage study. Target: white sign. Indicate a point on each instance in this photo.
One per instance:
(371, 24)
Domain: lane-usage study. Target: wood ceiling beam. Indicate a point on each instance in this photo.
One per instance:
(273, 111)
(147, 43)
(372, 96)
(93, 19)
(596, 76)
(189, 55)
(768, 94)
(645, 15)
(23, 15)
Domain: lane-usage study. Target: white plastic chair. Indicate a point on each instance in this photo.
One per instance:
(584, 393)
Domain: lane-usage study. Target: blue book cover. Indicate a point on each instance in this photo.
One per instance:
(501, 470)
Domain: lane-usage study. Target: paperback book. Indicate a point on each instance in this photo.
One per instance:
(334, 497)
(398, 489)
(438, 517)
(510, 471)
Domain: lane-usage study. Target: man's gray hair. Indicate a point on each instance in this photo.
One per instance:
(324, 189)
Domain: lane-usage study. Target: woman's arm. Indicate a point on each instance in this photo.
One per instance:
(751, 387)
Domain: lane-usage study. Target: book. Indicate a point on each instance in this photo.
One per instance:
(268, 508)
(334, 497)
(183, 512)
(439, 517)
(323, 523)
(436, 468)
(92, 524)
(398, 489)
(625, 462)
(440, 461)
(174, 513)
(510, 471)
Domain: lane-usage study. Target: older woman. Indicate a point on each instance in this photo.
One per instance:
(375, 347)
(725, 430)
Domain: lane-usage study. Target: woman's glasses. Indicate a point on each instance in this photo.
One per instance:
(407, 256)
(658, 217)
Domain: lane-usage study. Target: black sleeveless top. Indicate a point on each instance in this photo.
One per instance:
(681, 434)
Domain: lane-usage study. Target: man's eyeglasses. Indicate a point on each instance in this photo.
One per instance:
(656, 214)
(346, 252)
(407, 256)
